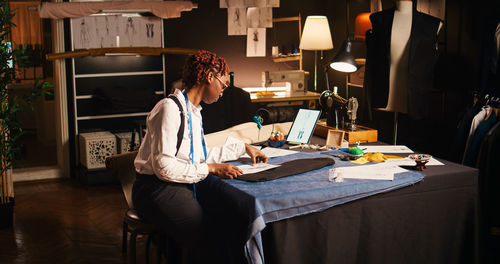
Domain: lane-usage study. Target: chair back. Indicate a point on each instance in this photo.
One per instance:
(123, 166)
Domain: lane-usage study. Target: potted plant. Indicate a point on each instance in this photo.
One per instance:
(12, 58)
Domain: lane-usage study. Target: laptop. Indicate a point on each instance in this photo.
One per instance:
(303, 126)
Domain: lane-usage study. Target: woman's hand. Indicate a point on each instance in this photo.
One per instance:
(256, 155)
(224, 170)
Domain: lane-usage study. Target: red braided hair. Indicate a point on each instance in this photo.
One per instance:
(199, 65)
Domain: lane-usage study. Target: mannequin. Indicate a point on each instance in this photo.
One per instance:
(401, 55)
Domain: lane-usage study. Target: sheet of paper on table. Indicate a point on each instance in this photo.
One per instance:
(386, 149)
(409, 162)
(380, 171)
(258, 167)
(272, 152)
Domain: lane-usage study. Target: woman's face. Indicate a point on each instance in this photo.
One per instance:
(216, 86)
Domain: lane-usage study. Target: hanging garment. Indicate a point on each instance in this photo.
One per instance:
(288, 168)
(480, 117)
(422, 60)
(489, 179)
(482, 129)
(463, 129)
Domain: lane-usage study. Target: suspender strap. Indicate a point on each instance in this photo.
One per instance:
(180, 133)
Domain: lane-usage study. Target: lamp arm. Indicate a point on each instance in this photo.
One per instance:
(326, 78)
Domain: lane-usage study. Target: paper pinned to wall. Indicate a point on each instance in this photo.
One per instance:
(256, 42)
(248, 3)
(435, 8)
(259, 17)
(236, 21)
(232, 3)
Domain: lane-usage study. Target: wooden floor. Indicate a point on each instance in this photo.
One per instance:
(65, 222)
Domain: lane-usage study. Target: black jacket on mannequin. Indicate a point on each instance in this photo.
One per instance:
(422, 59)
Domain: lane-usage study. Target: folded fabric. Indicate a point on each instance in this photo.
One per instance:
(377, 157)
(288, 168)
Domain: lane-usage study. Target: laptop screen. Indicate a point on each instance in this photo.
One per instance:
(303, 126)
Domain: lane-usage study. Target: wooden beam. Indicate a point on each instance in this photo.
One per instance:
(119, 50)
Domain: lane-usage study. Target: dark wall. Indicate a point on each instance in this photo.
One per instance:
(206, 28)
(460, 42)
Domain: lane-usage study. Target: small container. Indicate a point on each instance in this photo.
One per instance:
(276, 143)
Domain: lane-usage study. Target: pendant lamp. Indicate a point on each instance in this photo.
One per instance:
(344, 60)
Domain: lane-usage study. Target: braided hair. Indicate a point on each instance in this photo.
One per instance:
(199, 65)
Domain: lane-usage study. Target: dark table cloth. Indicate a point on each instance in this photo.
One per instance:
(434, 221)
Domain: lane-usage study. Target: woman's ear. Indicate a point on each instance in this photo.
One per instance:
(211, 77)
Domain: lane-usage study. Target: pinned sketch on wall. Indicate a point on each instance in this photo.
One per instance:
(256, 42)
(116, 31)
(248, 3)
(435, 8)
(106, 30)
(148, 32)
(259, 17)
(232, 3)
(236, 21)
(84, 34)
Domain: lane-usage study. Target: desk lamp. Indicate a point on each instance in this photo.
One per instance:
(316, 36)
(344, 60)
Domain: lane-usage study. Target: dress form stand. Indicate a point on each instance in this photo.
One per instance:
(399, 57)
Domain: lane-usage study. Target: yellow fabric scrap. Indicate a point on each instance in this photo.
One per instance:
(377, 157)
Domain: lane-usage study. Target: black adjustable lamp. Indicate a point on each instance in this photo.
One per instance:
(344, 60)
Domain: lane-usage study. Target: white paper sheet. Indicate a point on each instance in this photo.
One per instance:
(386, 149)
(409, 162)
(381, 171)
(258, 167)
(256, 42)
(273, 152)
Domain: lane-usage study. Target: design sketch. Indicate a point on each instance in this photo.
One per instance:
(256, 42)
(84, 33)
(248, 3)
(259, 17)
(232, 3)
(106, 31)
(435, 8)
(140, 32)
(236, 21)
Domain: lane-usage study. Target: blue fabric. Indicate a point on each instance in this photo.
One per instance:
(305, 193)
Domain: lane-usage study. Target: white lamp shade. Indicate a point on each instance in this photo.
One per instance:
(316, 34)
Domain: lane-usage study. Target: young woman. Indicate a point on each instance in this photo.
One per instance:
(164, 192)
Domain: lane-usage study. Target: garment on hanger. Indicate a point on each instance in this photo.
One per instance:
(489, 179)
(482, 129)
(478, 119)
(421, 63)
(462, 134)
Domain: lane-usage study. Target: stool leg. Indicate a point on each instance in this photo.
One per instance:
(160, 247)
(124, 237)
(133, 239)
(148, 245)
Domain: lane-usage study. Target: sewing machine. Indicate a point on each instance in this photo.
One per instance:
(297, 79)
(337, 110)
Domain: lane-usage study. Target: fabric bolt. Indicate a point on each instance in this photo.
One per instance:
(258, 203)
(157, 153)
(480, 117)
(288, 168)
(482, 129)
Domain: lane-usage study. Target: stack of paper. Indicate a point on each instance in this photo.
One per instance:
(381, 171)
